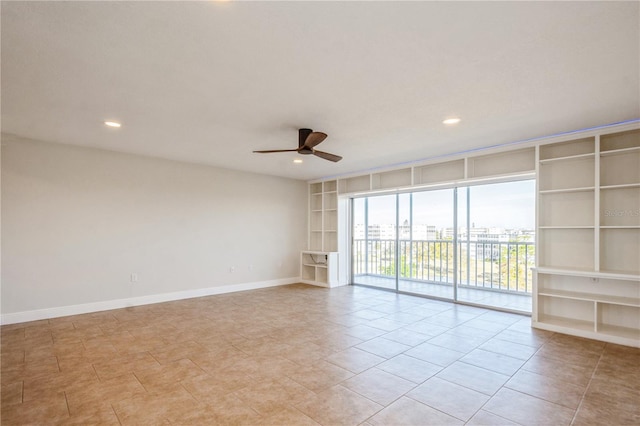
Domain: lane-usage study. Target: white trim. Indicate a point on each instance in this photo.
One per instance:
(62, 311)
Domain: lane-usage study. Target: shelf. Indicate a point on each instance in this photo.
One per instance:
(559, 191)
(622, 186)
(355, 184)
(567, 227)
(308, 272)
(623, 332)
(563, 150)
(315, 265)
(330, 186)
(566, 209)
(620, 250)
(391, 179)
(619, 226)
(502, 163)
(567, 248)
(439, 172)
(620, 207)
(579, 174)
(621, 169)
(315, 188)
(621, 321)
(619, 151)
(588, 273)
(568, 323)
(621, 275)
(606, 333)
(600, 298)
(568, 158)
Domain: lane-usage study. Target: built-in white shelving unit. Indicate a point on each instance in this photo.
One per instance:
(588, 275)
(319, 264)
(323, 218)
(319, 268)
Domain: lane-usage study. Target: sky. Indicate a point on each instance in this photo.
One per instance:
(502, 205)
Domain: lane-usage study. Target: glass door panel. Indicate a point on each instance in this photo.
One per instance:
(430, 246)
(496, 243)
(374, 244)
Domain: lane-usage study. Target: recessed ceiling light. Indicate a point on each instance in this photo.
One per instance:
(297, 161)
(454, 120)
(112, 124)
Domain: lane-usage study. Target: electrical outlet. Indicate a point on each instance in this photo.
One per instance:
(232, 269)
(134, 277)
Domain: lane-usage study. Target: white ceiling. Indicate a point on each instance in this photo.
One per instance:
(209, 82)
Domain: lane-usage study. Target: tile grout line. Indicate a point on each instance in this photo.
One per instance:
(116, 413)
(66, 400)
(586, 389)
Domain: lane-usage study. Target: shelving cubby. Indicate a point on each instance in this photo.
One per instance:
(566, 209)
(440, 172)
(319, 268)
(502, 163)
(355, 184)
(391, 179)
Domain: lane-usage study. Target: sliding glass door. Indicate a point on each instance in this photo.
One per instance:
(473, 244)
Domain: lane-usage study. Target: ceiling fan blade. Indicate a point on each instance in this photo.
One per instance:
(327, 156)
(275, 150)
(314, 139)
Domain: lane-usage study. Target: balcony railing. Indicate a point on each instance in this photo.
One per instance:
(490, 265)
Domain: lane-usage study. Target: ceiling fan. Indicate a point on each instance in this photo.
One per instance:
(307, 140)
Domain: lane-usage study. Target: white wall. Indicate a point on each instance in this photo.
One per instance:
(76, 222)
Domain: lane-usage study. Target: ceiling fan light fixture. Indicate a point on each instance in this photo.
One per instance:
(112, 124)
(297, 161)
(452, 120)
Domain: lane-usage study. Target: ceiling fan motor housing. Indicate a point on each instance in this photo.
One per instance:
(303, 134)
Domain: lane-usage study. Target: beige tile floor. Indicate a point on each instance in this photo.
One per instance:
(302, 355)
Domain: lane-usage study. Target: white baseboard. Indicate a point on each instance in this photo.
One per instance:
(63, 311)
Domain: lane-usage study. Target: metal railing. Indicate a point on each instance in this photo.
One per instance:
(491, 265)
